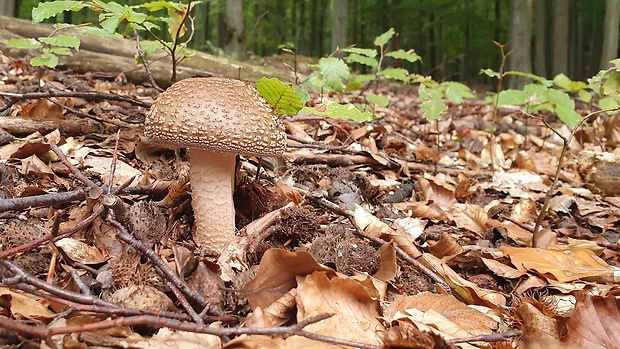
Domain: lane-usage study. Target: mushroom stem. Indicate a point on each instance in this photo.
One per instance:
(212, 180)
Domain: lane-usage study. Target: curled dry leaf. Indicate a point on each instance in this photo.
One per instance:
(471, 217)
(355, 312)
(23, 307)
(564, 265)
(446, 246)
(467, 290)
(78, 251)
(467, 318)
(165, 338)
(277, 275)
(535, 324)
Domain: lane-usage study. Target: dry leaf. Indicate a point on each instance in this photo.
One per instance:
(24, 307)
(277, 275)
(355, 312)
(595, 323)
(471, 293)
(567, 265)
(78, 251)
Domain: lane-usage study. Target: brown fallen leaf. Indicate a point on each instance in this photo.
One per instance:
(564, 265)
(595, 324)
(354, 312)
(467, 318)
(277, 275)
(23, 307)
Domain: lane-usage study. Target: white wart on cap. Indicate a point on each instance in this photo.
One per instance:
(217, 118)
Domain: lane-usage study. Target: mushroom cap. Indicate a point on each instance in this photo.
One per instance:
(219, 114)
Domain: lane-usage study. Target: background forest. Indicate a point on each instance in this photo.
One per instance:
(454, 38)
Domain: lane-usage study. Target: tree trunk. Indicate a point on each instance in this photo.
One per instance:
(560, 37)
(234, 29)
(7, 8)
(313, 27)
(339, 24)
(103, 55)
(540, 50)
(610, 36)
(520, 39)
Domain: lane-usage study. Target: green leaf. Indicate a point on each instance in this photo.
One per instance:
(333, 71)
(396, 74)
(355, 58)
(406, 55)
(25, 43)
(61, 51)
(362, 78)
(455, 91)
(379, 100)
(62, 41)
(545, 82)
(162, 4)
(490, 73)
(384, 38)
(368, 52)
(45, 60)
(585, 95)
(111, 23)
(608, 103)
(431, 105)
(566, 83)
(302, 94)
(52, 8)
(568, 116)
(149, 47)
(335, 110)
(96, 31)
(354, 86)
(513, 97)
(279, 95)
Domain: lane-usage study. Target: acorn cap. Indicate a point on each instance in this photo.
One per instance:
(219, 114)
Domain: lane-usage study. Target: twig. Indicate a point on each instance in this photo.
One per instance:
(88, 95)
(349, 215)
(145, 63)
(495, 337)
(93, 117)
(77, 173)
(161, 267)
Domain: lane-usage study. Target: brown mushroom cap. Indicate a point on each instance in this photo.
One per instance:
(218, 114)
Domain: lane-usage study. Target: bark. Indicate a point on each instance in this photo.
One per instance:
(339, 24)
(234, 25)
(560, 37)
(7, 8)
(611, 32)
(520, 38)
(540, 37)
(99, 54)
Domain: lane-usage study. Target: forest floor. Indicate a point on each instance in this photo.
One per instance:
(394, 233)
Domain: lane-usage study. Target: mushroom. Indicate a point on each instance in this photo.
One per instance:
(216, 118)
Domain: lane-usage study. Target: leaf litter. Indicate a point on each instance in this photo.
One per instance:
(366, 235)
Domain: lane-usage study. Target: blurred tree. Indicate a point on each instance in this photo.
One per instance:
(232, 35)
(8, 8)
(610, 37)
(339, 24)
(559, 62)
(520, 41)
(541, 28)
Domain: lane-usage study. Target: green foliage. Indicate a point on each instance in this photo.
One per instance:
(333, 74)
(279, 95)
(555, 95)
(335, 110)
(112, 18)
